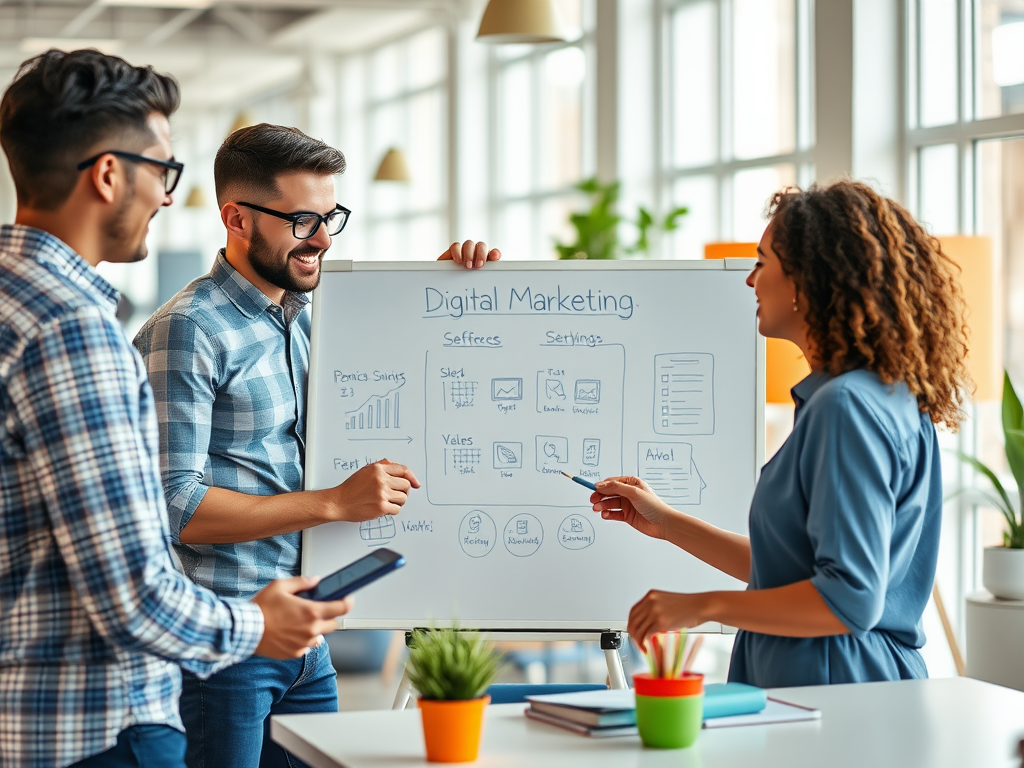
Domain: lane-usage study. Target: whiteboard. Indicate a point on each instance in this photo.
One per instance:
(489, 383)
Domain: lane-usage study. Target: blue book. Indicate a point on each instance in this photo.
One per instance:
(728, 699)
(617, 708)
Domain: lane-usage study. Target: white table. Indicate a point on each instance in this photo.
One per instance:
(995, 640)
(959, 723)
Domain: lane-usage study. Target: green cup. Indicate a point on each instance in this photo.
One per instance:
(671, 718)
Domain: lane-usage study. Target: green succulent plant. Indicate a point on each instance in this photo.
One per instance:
(1013, 431)
(452, 664)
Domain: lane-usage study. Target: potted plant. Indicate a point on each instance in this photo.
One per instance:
(451, 669)
(597, 230)
(1003, 567)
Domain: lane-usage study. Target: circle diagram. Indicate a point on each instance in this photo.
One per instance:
(576, 532)
(523, 535)
(477, 533)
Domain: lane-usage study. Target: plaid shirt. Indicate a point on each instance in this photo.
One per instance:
(228, 369)
(93, 614)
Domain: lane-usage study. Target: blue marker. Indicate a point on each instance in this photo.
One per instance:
(581, 481)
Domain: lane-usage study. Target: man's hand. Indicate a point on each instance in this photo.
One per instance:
(293, 625)
(375, 490)
(470, 254)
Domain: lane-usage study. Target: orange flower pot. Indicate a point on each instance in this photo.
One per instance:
(451, 729)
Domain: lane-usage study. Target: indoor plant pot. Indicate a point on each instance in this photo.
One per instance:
(1003, 567)
(1002, 572)
(451, 669)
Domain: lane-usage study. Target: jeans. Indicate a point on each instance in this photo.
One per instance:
(227, 716)
(141, 746)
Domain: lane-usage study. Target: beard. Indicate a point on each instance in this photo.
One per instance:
(119, 228)
(275, 268)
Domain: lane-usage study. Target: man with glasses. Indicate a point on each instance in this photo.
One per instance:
(95, 617)
(228, 358)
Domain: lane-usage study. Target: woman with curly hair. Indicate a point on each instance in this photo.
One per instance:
(844, 522)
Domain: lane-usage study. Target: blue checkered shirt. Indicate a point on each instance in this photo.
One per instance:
(228, 368)
(93, 615)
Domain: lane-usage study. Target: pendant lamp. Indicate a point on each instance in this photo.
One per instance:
(521, 21)
(393, 167)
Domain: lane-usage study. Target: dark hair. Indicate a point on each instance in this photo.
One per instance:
(251, 159)
(61, 106)
(881, 295)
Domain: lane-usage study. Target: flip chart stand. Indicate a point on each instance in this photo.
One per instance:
(611, 642)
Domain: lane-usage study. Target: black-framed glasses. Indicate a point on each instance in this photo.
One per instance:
(305, 224)
(172, 168)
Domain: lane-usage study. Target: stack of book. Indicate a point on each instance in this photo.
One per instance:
(613, 712)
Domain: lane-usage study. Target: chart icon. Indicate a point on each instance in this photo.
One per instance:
(508, 455)
(506, 389)
(377, 531)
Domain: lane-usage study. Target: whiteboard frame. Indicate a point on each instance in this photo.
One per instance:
(340, 265)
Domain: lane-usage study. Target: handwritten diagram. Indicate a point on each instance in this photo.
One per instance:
(376, 412)
(670, 471)
(552, 410)
(684, 393)
(477, 533)
(506, 389)
(378, 531)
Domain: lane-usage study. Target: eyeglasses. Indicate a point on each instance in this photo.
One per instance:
(172, 168)
(305, 224)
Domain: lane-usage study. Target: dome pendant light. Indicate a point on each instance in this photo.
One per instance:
(521, 21)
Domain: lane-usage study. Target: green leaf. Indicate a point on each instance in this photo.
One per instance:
(452, 664)
(1006, 506)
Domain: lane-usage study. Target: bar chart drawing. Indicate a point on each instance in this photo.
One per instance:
(376, 412)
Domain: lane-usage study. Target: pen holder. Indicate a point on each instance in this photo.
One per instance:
(669, 711)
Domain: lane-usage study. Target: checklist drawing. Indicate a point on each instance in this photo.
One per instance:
(684, 393)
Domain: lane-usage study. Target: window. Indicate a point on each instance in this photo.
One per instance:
(542, 140)
(396, 96)
(965, 161)
(737, 114)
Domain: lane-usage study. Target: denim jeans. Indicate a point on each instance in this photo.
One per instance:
(141, 746)
(227, 716)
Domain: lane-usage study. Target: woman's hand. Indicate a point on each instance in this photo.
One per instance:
(631, 500)
(661, 611)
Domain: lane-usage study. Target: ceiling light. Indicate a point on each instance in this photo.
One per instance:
(1007, 61)
(393, 167)
(196, 198)
(521, 21)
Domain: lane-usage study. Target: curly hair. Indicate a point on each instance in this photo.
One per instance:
(881, 295)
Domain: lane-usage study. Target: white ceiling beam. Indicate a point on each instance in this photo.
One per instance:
(242, 23)
(175, 24)
(78, 23)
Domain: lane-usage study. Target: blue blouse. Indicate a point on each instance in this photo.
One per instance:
(853, 502)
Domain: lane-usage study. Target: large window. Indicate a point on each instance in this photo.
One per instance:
(965, 161)
(542, 142)
(737, 113)
(396, 96)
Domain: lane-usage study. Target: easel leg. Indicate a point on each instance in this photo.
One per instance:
(616, 677)
(404, 691)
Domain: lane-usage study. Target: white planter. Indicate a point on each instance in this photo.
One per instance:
(1002, 572)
